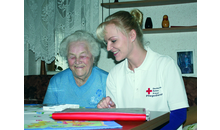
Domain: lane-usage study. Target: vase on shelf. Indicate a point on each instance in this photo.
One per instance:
(165, 22)
(148, 23)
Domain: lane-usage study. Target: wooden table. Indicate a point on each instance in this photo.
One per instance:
(154, 124)
(157, 120)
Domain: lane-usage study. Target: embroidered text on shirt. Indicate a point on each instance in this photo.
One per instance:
(154, 92)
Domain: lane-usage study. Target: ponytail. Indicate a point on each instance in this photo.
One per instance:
(137, 15)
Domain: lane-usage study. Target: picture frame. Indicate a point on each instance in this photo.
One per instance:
(185, 61)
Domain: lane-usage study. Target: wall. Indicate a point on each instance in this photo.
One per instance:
(35, 64)
(163, 43)
(31, 66)
(26, 60)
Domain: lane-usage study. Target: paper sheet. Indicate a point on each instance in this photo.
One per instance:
(71, 125)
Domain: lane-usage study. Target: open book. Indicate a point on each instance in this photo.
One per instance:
(94, 114)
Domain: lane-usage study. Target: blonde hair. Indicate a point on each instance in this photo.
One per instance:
(124, 22)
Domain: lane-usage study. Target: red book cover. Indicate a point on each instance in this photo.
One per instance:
(125, 114)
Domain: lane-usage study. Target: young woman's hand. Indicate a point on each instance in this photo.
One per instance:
(106, 103)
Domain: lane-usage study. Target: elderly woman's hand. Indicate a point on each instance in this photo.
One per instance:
(106, 103)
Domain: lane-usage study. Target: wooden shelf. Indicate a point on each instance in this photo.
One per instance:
(144, 3)
(170, 30)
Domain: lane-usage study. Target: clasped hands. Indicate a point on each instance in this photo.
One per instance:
(106, 103)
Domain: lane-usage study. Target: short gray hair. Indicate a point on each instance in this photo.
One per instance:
(81, 35)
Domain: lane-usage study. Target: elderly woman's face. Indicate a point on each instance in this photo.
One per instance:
(80, 59)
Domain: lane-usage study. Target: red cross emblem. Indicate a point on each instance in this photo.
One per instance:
(148, 91)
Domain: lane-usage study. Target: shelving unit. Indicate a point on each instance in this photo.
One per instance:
(144, 3)
(170, 30)
(154, 3)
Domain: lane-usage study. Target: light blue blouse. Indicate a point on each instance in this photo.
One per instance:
(63, 89)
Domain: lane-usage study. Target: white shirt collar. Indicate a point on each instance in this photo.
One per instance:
(144, 65)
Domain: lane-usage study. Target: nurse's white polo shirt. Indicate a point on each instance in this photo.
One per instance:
(156, 85)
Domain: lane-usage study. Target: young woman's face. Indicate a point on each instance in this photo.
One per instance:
(118, 43)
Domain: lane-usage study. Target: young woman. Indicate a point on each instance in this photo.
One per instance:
(145, 78)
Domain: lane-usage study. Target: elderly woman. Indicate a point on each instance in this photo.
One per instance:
(82, 83)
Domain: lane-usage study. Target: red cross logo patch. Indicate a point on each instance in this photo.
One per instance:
(148, 91)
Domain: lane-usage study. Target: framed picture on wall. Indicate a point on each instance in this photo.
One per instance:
(185, 61)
